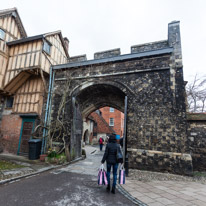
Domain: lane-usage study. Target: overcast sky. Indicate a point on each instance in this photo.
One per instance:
(97, 25)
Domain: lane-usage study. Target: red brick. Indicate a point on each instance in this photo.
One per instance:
(102, 125)
(10, 132)
(118, 119)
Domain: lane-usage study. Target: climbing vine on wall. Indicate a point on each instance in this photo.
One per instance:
(56, 136)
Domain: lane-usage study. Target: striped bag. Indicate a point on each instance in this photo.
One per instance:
(102, 177)
(121, 175)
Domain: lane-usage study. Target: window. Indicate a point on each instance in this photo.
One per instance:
(9, 102)
(111, 109)
(111, 121)
(47, 47)
(2, 34)
(99, 112)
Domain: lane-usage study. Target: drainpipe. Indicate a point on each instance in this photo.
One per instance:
(125, 155)
(51, 78)
(49, 112)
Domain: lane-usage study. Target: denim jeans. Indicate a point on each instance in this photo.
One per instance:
(114, 168)
(101, 146)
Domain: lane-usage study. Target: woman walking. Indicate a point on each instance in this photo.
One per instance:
(101, 143)
(110, 155)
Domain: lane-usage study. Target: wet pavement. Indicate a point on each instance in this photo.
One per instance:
(71, 185)
(59, 189)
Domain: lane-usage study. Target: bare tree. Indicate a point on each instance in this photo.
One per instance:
(196, 94)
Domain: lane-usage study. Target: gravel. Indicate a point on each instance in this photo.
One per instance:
(147, 176)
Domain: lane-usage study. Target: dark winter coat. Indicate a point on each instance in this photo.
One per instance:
(110, 154)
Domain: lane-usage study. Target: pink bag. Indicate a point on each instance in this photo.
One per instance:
(121, 175)
(102, 177)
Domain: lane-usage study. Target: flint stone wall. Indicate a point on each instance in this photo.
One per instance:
(177, 163)
(197, 143)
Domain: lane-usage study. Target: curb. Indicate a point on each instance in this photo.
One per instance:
(2, 182)
(129, 196)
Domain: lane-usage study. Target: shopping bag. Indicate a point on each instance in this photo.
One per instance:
(121, 175)
(102, 177)
(119, 155)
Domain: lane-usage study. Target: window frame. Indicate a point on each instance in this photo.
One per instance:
(111, 123)
(111, 109)
(46, 45)
(9, 102)
(4, 34)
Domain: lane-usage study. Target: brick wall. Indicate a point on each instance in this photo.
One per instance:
(118, 119)
(2, 103)
(101, 125)
(10, 134)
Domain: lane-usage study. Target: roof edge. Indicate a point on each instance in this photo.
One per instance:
(40, 36)
(17, 18)
(61, 38)
(27, 39)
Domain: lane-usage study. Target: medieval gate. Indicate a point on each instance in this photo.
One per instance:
(151, 77)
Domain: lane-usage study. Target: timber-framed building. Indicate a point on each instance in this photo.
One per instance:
(24, 70)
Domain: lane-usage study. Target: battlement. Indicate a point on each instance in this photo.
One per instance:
(173, 41)
(107, 54)
(78, 58)
(149, 46)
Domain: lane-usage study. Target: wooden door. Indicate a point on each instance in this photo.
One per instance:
(26, 130)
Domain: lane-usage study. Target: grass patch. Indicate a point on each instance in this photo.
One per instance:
(199, 174)
(55, 158)
(5, 165)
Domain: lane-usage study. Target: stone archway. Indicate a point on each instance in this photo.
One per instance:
(99, 94)
(151, 77)
(87, 98)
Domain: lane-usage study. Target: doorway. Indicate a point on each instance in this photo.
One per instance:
(25, 135)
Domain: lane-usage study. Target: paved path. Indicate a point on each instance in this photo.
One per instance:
(173, 193)
(90, 165)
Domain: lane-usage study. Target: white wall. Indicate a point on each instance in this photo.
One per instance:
(87, 125)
